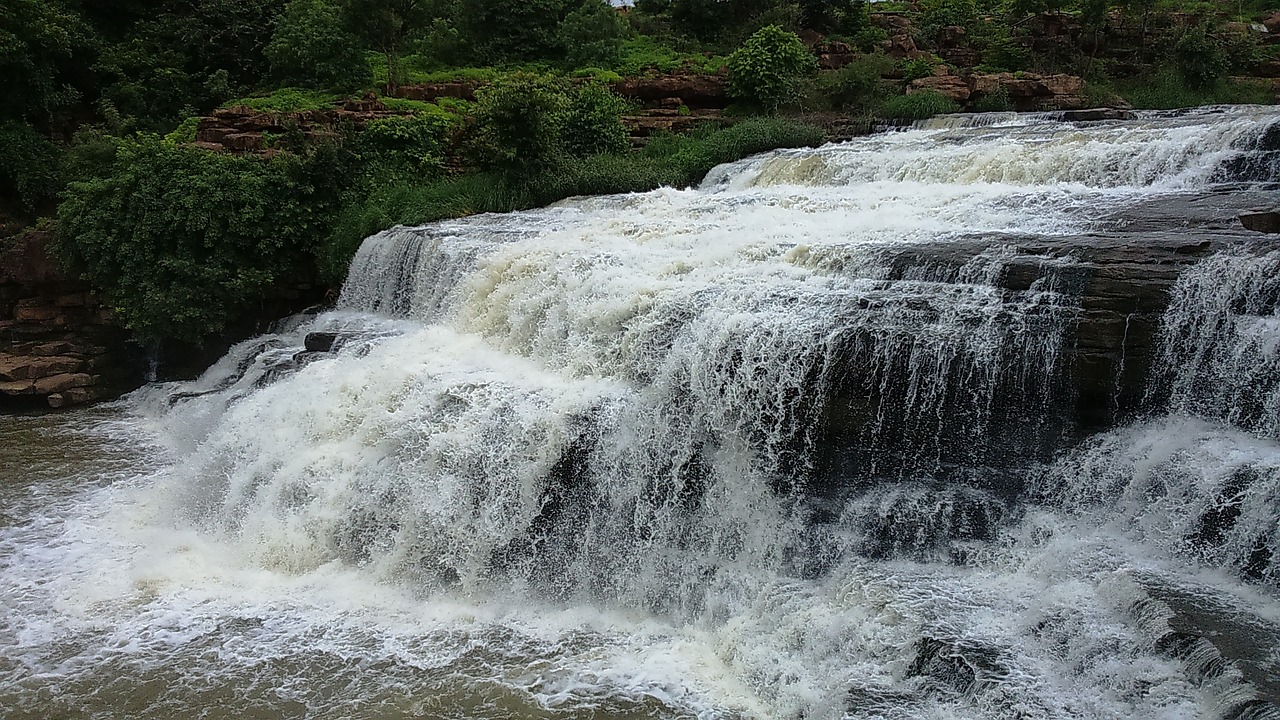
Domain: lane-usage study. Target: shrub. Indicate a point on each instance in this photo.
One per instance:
(180, 239)
(32, 168)
(767, 71)
(518, 122)
(920, 67)
(288, 100)
(592, 122)
(995, 101)
(527, 123)
(311, 48)
(399, 149)
(1199, 58)
(918, 106)
(855, 86)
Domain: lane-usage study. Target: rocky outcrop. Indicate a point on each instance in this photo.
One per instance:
(901, 43)
(61, 344)
(1025, 91)
(697, 92)
(649, 122)
(240, 129)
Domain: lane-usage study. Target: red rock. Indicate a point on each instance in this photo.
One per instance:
(35, 313)
(1272, 21)
(17, 387)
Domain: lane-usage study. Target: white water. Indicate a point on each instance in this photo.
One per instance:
(726, 452)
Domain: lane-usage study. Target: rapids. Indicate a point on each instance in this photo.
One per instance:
(747, 450)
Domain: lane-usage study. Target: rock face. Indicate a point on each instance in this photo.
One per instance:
(60, 345)
(694, 91)
(1025, 91)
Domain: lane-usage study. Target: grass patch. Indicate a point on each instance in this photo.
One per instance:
(1167, 91)
(918, 106)
(640, 55)
(289, 100)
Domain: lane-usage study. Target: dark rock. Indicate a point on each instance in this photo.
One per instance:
(320, 341)
(1263, 222)
(1096, 114)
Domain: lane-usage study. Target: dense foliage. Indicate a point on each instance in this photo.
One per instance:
(181, 239)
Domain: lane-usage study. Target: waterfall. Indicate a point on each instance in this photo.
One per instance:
(806, 441)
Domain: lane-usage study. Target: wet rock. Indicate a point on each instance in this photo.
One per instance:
(320, 341)
(1097, 114)
(955, 664)
(1263, 222)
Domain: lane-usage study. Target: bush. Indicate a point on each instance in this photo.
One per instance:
(768, 70)
(592, 123)
(288, 100)
(528, 123)
(400, 149)
(181, 239)
(855, 86)
(518, 122)
(918, 106)
(32, 168)
(310, 48)
(1199, 58)
(995, 101)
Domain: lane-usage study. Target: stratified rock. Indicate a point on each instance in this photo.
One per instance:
(694, 91)
(58, 383)
(1263, 222)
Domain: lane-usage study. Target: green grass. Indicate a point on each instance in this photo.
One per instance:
(641, 55)
(1166, 91)
(289, 100)
(917, 106)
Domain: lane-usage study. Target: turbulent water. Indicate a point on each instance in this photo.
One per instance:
(729, 452)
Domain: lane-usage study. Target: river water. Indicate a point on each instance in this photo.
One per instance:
(709, 453)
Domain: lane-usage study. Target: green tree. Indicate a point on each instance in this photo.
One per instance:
(769, 69)
(32, 167)
(514, 30)
(40, 42)
(311, 48)
(1200, 58)
(387, 25)
(592, 35)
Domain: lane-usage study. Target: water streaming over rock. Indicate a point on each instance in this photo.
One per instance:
(807, 441)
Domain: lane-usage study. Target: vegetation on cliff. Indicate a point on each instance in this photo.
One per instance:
(102, 104)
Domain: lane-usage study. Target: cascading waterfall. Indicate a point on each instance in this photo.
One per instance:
(797, 443)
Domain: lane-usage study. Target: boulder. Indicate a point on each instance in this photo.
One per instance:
(1271, 21)
(320, 341)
